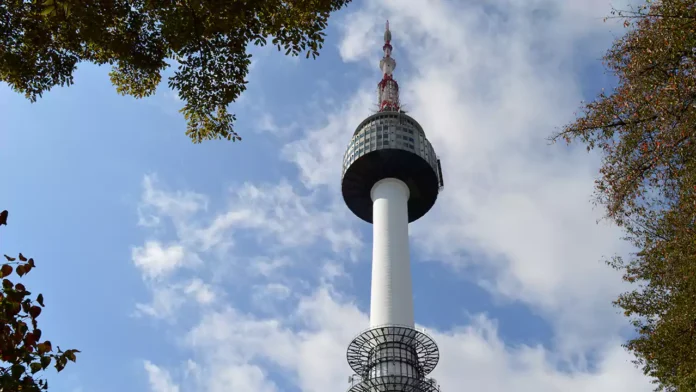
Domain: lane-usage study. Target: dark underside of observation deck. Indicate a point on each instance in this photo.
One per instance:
(390, 163)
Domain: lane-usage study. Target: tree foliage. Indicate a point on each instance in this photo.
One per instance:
(646, 129)
(42, 41)
(23, 353)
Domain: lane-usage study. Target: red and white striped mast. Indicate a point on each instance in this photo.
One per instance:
(388, 89)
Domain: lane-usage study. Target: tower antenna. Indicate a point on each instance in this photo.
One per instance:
(388, 88)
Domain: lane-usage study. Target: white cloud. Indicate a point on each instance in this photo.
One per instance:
(202, 292)
(473, 357)
(156, 260)
(364, 37)
(168, 297)
(166, 300)
(178, 204)
(319, 153)
(275, 290)
(268, 297)
(279, 214)
(160, 380)
(281, 219)
(331, 271)
(268, 267)
(157, 264)
(315, 356)
(267, 123)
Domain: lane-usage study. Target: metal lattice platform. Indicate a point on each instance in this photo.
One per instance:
(395, 384)
(361, 350)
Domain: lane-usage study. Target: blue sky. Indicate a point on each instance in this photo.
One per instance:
(235, 266)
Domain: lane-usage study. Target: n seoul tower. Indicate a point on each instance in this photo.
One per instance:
(391, 177)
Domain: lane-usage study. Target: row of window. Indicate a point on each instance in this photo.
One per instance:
(394, 368)
(394, 350)
(381, 125)
(365, 137)
(356, 150)
(379, 144)
(387, 118)
(389, 131)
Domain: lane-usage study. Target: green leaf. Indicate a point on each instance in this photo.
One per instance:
(48, 11)
(36, 366)
(44, 347)
(45, 362)
(60, 363)
(17, 371)
(70, 354)
(211, 48)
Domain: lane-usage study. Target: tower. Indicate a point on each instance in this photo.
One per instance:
(391, 177)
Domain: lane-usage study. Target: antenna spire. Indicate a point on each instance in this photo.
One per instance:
(387, 88)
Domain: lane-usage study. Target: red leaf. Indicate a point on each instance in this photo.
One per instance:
(5, 270)
(10, 258)
(22, 258)
(35, 311)
(30, 339)
(3, 218)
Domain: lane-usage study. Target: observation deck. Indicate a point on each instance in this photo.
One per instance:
(390, 144)
(393, 358)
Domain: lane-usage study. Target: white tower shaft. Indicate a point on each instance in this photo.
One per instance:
(391, 301)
